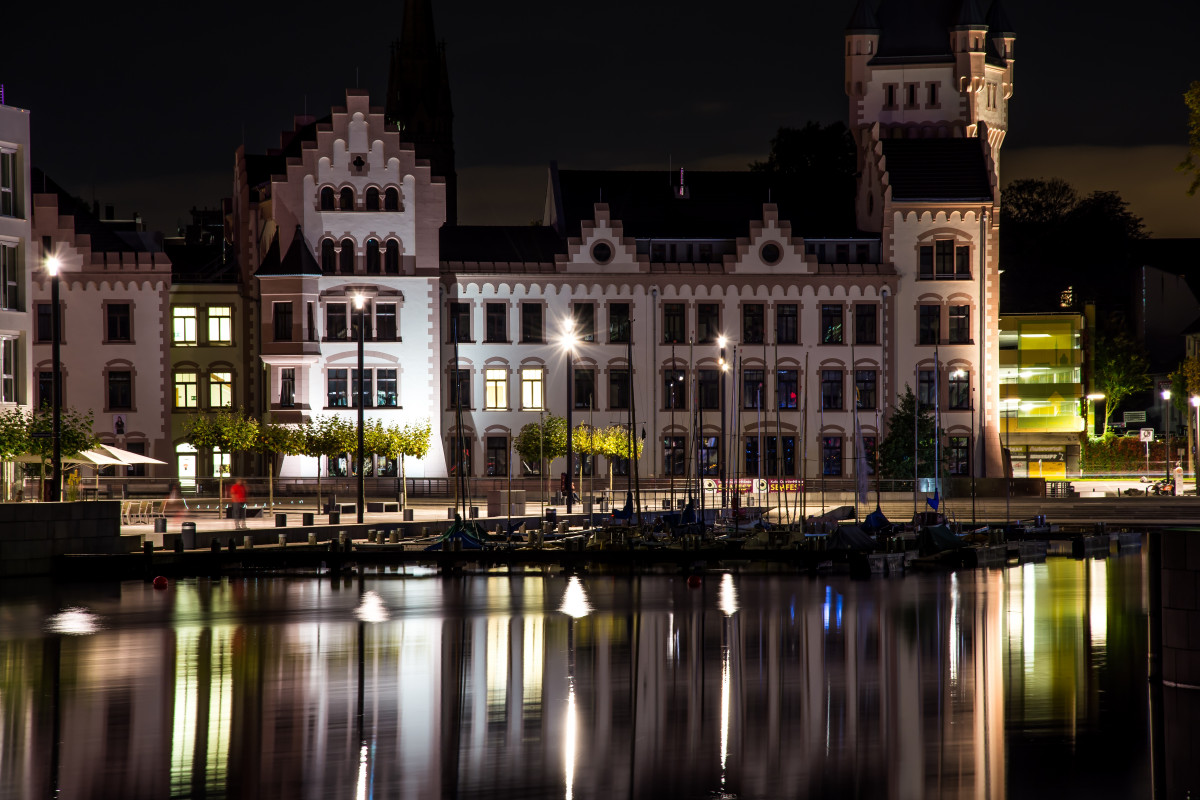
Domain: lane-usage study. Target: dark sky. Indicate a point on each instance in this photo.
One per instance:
(145, 106)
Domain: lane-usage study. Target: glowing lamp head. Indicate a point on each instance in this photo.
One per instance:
(1166, 394)
(358, 302)
(721, 341)
(569, 339)
(1195, 401)
(52, 266)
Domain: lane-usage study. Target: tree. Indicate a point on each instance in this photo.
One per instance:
(542, 441)
(615, 445)
(275, 440)
(1121, 366)
(1061, 248)
(227, 430)
(896, 449)
(415, 439)
(1191, 99)
(329, 436)
(75, 434)
(815, 155)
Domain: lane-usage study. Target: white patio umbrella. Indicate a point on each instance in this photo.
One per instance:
(90, 457)
(127, 456)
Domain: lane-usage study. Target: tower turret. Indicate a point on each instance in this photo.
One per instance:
(862, 42)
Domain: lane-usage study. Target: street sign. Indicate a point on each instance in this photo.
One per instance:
(1146, 434)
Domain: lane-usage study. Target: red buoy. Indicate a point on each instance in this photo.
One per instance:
(694, 582)
(160, 582)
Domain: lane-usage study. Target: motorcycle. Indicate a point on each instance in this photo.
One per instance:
(1162, 487)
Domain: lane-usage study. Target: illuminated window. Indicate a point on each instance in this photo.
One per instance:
(183, 320)
(220, 325)
(532, 396)
(287, 387)
(831, 324)
(496, 389)
(337, 393)
(865, 382)
(221, 463)
(220, 390)
(187, 390)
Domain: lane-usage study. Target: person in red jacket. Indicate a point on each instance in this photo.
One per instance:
(237, 498)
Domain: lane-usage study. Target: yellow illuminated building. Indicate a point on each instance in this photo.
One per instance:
(1042, 393)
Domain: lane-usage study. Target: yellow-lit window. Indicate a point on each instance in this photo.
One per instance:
(187, 392)
(220, 390)
(496, 388)
(183, 319)
(220, 325)
(532, 396)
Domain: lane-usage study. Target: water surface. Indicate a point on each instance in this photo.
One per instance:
(1027, 681)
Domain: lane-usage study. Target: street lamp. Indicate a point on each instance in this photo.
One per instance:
(721, 341)
(362, 401)
(1166, 396)
(52, 266)
(569, 340)
(1196, 452)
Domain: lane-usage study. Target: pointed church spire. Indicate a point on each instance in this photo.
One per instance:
(418, 97)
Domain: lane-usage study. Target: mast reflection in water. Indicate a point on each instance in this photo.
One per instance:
(987, 684)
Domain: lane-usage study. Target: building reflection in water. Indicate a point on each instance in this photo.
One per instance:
(564, 687)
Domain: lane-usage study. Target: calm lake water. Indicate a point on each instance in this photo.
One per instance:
(1028, 681)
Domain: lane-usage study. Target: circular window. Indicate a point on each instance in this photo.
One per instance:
(770, 253)
(602, 253)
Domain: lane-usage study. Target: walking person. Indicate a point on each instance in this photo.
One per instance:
(237, 498)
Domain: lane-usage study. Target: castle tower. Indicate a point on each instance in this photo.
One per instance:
(418, 97)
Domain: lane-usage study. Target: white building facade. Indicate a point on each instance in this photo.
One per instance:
(814, 328)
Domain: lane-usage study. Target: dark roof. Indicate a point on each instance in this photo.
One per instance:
(1176, 256)
(918, 31)
(105, 238)
(718, 205)
(199, 263)
(504, 243)
(298, 261)
(937, 169)
(863, 20)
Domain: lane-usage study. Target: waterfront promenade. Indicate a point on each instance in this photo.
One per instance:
(1134, 513)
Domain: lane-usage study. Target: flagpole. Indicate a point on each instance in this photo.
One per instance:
(854, 384)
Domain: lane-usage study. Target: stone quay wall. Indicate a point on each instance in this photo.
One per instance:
(32, 534)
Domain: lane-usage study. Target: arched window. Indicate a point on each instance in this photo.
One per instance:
(346, 201)
(391, 199)
(327, 198)
(372, 257)
(328, 257)
(372, 199)
(391, 258)
(347, 265)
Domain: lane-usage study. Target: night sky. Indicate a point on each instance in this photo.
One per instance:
(143, 107)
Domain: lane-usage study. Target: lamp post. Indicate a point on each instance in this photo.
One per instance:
(1166, 396)
(362, 398)
(52, 266)
(1196, 453)
(721, 340)
(568, 345)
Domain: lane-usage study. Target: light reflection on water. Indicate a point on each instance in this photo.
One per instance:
(987, 683)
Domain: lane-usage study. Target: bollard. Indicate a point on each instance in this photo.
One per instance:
(342, 537)
(408, 515)
(474, 512)
(188, 535)
(215, 546)
(450, 512)
(281, 520)
(148, 548)
(307, 519)
(160, 524)
(283, 540)
(424, 531)
(562, 527)
(371, 535)
(312, 537)
(247, 542)
(393, 536)
(179, 545)
(335, 517)
(232, 544)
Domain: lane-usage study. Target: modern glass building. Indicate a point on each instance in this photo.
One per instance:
(1043, 393)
